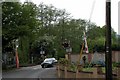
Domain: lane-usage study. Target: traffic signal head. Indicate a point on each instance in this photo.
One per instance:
(65, 44)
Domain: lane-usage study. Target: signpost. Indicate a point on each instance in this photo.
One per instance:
(67, 47)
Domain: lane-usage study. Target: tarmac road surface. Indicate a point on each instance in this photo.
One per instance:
(30, 73)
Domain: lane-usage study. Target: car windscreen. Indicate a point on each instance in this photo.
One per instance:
(48, 60)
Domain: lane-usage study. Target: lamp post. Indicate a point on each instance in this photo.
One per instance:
(16, 54)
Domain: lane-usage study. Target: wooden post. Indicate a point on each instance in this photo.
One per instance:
(79, 68)
(66, 56)
(77, 73)
(95, 74)
(69, 57)
(65, 70)
(58, 70)
(99, 70)
(118, 72)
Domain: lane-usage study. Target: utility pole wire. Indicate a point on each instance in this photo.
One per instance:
(85, 43)
(92, 9)
(91, 13)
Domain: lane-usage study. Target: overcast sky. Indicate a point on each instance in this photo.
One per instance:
(82, 9)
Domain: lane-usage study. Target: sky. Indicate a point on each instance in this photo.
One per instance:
(83, 8)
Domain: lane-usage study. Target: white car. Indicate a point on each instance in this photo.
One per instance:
(48, 62)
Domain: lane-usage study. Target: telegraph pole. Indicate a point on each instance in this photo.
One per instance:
(108, 53)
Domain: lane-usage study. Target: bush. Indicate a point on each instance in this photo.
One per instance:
(116, 47)
(114, 64)
(72, 67)
(63, 61)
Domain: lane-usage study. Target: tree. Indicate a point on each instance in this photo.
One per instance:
(19, 22)
(45, 24)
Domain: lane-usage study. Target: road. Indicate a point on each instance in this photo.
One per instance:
(35, 72)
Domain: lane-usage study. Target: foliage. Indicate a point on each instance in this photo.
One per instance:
(46, 26)
(114, 64)
(72, 67)
(63, 61)
(96, 39)
(18, 21)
